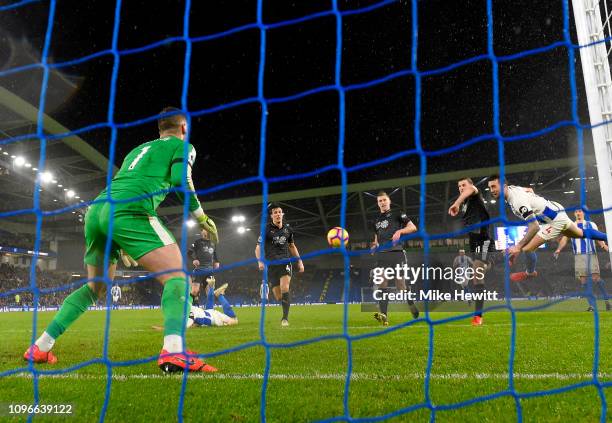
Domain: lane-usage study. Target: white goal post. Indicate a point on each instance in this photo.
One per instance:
(591, 28)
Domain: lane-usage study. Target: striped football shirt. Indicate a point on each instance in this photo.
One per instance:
(584, 245)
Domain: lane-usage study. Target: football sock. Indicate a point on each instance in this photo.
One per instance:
(285, 304)
(383, 304)
(532, 259)
(227, 308)
(45, 342)
(479, 302)
(210, 299)
(594, 234)
(413, 308)
(601, 285)
(586, 294)
(264, 289)
(173, 343)
(173, 307)
(73, 306)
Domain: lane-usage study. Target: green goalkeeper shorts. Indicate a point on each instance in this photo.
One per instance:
(136, 232)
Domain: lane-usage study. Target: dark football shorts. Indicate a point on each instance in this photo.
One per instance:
(277, 271)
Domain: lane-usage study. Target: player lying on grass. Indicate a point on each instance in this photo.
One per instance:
(547, 221)
(151, 167)
(208, 316)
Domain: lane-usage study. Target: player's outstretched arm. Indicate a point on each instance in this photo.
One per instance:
(374, 244)
(467, 192)
(408, 229)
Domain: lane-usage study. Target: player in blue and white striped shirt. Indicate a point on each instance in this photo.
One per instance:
(585, 257)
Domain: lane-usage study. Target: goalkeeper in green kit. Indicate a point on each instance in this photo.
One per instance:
(138, 234)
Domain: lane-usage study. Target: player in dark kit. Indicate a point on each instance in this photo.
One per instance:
(390, 225)
(473, 212)
(279, 245)
(204, 254)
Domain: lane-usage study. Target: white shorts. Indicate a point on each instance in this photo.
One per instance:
(554, 229)
(218, 319)
(586, 265)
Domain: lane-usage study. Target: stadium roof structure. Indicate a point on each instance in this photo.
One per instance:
(72, 163)
(77, 165)
(313, 211)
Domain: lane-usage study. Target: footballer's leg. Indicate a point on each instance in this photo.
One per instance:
(401, 285)
(276, 292)
(584, 287)
(573, 231)
(285, 281)
(531, 259)
(195, 293)
(77, 302)
(174, 297)
(601, 286)
(383, 304)
(210, 294)
(484, 257)
(227, 307)
(478, 285)
(147, 240)
(72, 308)
(274, 282)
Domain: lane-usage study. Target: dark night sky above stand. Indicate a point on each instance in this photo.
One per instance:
(302, 134)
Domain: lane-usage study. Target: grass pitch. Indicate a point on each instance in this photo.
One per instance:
(553, 350)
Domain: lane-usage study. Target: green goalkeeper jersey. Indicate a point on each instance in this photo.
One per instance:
(149, 168)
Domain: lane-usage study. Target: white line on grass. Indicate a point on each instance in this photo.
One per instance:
(337, 329)
(321, 376)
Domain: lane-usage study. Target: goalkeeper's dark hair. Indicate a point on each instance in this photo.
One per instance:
(466, 179)
(172, 122)
(382, 194)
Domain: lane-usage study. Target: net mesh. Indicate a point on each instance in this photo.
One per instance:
(335, 11)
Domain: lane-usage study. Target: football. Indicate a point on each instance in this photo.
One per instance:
(336, 236)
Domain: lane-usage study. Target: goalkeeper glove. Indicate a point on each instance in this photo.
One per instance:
(207, 224)
(127, 260)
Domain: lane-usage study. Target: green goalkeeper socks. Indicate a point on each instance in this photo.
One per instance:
(173, 305)
(173, 301)
(73, 306)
